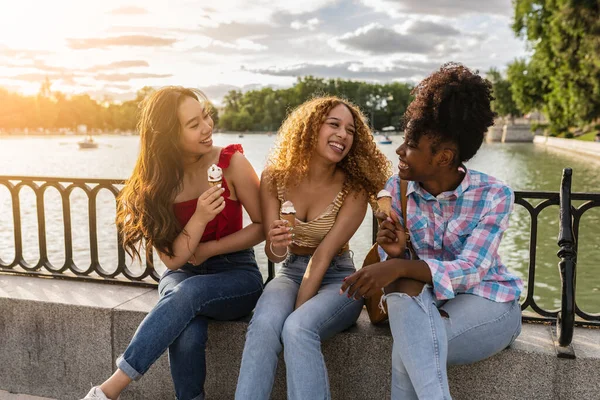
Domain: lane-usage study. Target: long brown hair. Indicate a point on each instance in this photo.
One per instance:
(365, 166)
(145, 205)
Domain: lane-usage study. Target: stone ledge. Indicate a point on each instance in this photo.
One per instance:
(58, 336)
(591, 149)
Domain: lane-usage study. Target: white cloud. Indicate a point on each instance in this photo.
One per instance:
(378, 39)
(399, 8)
(311, 24)
(129, 10)
(402, 71)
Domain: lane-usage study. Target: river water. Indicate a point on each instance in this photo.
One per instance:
(523, 166)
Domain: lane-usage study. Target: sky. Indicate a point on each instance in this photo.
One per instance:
(112, 48)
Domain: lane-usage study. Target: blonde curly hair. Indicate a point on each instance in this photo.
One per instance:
(365, 166)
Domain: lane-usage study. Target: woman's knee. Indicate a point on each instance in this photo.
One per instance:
(265, 325)
(169, 282)
(407, 286)
(295, 330)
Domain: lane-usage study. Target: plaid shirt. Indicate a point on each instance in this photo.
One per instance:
(458, 233)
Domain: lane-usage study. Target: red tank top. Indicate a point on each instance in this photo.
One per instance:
(227, 221)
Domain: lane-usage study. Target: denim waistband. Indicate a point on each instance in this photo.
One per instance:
(296, 260)
(237, 259)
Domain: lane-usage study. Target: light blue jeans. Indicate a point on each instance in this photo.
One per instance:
(425, 342)
(276, 325)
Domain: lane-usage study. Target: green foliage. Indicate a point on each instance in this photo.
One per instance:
(565, 39)
(587, 137)
(266, 108)
(526, 85)
(537, 125)
(503, 103)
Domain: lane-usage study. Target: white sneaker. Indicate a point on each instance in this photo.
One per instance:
(96, 393)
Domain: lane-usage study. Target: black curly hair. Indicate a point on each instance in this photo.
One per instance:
(451, 105)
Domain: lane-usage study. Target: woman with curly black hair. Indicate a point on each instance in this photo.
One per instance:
(457, 303)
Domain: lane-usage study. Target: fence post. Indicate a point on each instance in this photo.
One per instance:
(566, 317)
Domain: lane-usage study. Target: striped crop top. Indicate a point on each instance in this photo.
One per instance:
(311, 233)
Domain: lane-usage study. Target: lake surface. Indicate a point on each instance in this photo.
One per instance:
(523, 166)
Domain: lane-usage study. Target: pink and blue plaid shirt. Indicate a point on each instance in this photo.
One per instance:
(458, 233)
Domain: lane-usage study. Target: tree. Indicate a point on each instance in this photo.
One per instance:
(503, 103)
(526, 85)
(214, 113)
(565, 39)
(232, 100)
(143, 93)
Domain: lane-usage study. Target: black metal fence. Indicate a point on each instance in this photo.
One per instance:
(570, 217)
(94, 272)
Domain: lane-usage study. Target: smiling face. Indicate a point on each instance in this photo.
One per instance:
(336, 134)
(425, 159)
(195, 128)
(416, 160)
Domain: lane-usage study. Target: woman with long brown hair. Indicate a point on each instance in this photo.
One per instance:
(324, 170)
(185, 199)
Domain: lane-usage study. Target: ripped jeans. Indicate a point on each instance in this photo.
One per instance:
(473, 328)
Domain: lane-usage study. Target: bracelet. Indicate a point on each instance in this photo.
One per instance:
(275, 254)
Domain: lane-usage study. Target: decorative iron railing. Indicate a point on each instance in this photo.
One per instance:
(570, 217)
(94, 272)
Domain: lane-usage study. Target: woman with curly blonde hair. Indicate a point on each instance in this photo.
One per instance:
(314, 195)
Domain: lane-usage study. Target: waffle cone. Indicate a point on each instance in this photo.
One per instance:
(290, 218)
(384, 205)
(214, 183)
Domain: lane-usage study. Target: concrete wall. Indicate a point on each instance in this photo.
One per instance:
(494, 134)
(509, 133)
(579, 146)
(60, 336)
(516, 133)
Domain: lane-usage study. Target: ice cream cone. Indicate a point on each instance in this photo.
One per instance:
(215, 175)
(384, 202)
(290, 218)
(288, 213)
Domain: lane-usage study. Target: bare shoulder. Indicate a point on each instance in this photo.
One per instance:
(239, 165)
(265, 175)
(237, 159)
(358, 195)
(240, 171)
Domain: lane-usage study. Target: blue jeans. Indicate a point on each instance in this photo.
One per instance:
(276, 325)
(425, 342)
(224, 287)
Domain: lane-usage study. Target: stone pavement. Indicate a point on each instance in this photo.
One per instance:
(10, 396)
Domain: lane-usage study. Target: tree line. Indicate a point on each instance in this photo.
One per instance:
(52, 110)
(256, 110)
(265, 109)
